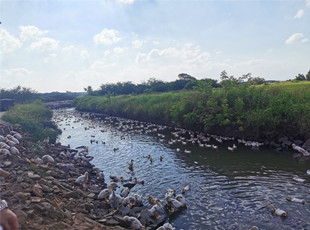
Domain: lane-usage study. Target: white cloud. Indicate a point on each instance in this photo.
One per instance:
(107, 52)
(308, 3)
(297, 37)
(84, 54)
(187, 52)
(50, 57)
(118, 50)
(138, 43)
(31, 32)
(17, 72)
(44, 44)
(107, 37)
(8, 43)
(68, 48)
(126, 1)
(299, 14)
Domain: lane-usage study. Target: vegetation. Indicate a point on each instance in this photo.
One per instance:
(19, 94)
(237, 108)
(35, 119)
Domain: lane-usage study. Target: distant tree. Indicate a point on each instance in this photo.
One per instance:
(89, 89)
(187, 77)
(308, 76)
(256, 81)
(300, 77)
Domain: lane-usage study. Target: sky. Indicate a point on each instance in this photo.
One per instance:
(67, 45)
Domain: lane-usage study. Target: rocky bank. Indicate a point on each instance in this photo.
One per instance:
(45, 195)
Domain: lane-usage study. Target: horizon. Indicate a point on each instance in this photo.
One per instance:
(59, 46)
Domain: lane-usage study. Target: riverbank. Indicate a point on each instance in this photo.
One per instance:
(45, 195)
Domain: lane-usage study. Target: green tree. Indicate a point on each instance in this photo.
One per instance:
(300, 77)
(308, 76)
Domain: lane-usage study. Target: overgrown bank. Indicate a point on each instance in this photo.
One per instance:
(254, 112)
(34, 119)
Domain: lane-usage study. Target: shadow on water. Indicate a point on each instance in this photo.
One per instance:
(226, 188)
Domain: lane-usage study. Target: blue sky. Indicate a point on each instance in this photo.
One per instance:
(60, 45)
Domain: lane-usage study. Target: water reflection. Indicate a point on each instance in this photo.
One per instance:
(227, 188)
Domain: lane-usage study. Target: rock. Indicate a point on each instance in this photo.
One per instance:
(33, 176)
(7, 163)
(35, 200)
(23, 195)
(37, 190)
(283, 139)
(21, 215)
(75, 194)
(306, 145)
(111, 222)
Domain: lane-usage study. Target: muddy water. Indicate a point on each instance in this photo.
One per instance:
(226, 188)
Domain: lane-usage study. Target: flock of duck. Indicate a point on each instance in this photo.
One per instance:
(9, 144)
(172, 201)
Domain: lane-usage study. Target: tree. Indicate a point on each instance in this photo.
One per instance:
(89, 89)
(300, 77)
(308, 76)
(256, 80)
(186, 77)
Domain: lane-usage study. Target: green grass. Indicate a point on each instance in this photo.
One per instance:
(35, 119)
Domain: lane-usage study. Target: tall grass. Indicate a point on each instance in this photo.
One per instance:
(34, 119)
(249, 111)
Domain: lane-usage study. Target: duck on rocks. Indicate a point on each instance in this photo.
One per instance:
(48, 159)
(125, 192)
(82, 180)
(166, 226)
(129, 201)
(134, 222)
(105, 193)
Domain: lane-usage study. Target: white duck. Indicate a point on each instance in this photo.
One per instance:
(166, 226)
(294, 199)
(82, 180)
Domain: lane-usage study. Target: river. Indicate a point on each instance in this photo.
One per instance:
(227, 188)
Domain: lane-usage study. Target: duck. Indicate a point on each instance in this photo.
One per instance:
(129, 201)
(157, 209)
(100, 174)
(308, 171)
(138, 181)
(174, 204)
(277, 211)
(125, 179)
(125, 192)
(161, 158)
(298, 179)
(181, 199)
(82, 180)
(48, 159)
(134, 222)
(214, 146)
(170, 193)
(166, 226)
(104, 194)
(187, 151)
(114, 178)
(297, 200)
(130, 165)
(114, 200)
(185, 189)
(152, 201)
